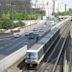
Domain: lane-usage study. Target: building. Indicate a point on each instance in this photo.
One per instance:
(49, 6)
(14, 5)
(61, 7)
(43, 5)
(55, 6)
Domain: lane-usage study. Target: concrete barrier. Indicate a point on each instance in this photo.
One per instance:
(5, 35)
(12, 58)
(31, 22)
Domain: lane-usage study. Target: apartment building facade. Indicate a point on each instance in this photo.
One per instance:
(14, 5)
(49, 6)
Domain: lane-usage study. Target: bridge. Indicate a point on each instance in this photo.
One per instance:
(57, 58)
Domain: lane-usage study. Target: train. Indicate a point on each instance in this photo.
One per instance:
(37, 52)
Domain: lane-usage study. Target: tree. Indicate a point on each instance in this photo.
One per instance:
(7, 24)
(1, 25)
(6, 16)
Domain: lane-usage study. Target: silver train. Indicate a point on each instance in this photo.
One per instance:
(36, 53)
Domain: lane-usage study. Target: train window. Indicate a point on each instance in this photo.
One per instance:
(31, 55)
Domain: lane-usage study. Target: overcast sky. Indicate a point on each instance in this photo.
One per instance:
(68, 2)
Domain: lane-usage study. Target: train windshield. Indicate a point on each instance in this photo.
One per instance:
(31, 55)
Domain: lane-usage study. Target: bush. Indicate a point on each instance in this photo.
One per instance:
(63, 13)
(6, 16)
(19, 24)
(20, 16)
(57, 14)
(1, 25)
(7, 24)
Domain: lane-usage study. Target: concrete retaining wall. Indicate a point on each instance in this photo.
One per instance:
(31, 22)
(12, 58)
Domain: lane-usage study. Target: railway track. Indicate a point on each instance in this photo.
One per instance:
(51, 62)
(51, 65)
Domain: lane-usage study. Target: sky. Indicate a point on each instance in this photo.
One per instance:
(68, 2)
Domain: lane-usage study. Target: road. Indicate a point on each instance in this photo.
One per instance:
(25, 40)
(12, 44)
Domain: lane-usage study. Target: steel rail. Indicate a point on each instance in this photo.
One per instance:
(53, 52)
(58, 57)
(42, 69)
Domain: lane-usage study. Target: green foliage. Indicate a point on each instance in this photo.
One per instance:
(19, 24)
(0, 24)
(20, 16)
(69, 13)
(6, 16)
(34, 16)
(7, 24)
(25, 16)
(57, 14)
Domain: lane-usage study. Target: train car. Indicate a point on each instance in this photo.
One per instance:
(37, 52)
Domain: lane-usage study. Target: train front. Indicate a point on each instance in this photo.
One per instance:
(31, 58)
